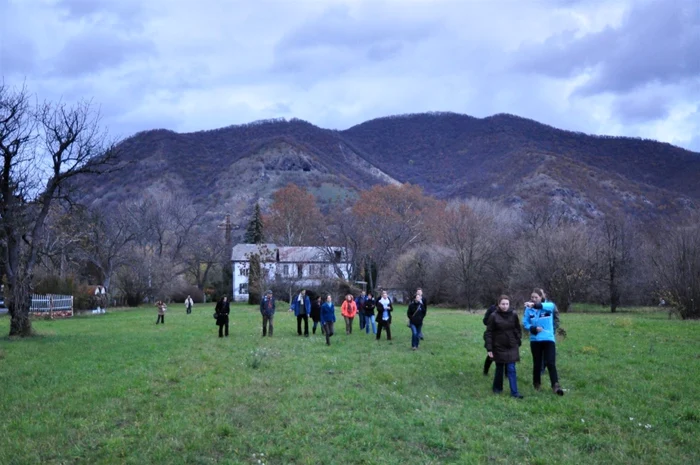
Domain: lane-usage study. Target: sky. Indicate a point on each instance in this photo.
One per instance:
(615, 67)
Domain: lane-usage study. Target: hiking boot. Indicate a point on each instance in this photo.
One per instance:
(538, 387)
(557, 389)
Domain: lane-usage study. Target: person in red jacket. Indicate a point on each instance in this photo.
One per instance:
(348, 310)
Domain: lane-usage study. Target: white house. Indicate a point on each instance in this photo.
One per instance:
(305, 266)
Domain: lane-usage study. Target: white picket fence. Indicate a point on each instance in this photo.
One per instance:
(52, 304)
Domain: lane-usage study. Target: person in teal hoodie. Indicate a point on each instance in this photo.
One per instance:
(328, 318)
(538, 320)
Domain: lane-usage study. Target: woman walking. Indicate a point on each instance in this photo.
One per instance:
(539, 322)
(415, 313)
(316, 313)
(222, 310)
(162, 308)
(502, 340)
(348, 310)
(328, 318)
(487, 315)
(384, 309)
(368, 313)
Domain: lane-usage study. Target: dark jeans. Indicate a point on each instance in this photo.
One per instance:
(221, 329)
(189, 309)
(361, 317)
(304, 317)
(487, 364)
(161, 318)
(387, 326)
(512, 379)
(328, 331)
(315, 326)
(544, 352)
(415, 334)
(267, 323)
(348, 324)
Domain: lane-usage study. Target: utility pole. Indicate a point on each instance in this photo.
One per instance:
(226, 225)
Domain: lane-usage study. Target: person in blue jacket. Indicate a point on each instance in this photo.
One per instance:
(301, 304)
(538, 320)
(556, 321)
(328, 318)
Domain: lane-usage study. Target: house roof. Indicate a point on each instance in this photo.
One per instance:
(241, 252)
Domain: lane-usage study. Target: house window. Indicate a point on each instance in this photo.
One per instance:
(285, 270)
(243, 271)
(243, 288)
(300, 270)
(313, 270)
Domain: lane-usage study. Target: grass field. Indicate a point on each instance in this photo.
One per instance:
(116, 388)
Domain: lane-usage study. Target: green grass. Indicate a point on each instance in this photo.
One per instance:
(116, 388)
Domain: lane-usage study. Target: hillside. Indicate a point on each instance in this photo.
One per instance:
(501, 157)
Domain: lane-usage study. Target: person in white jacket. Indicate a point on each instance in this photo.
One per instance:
(189, 303)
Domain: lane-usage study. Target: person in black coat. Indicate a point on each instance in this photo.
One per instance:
(415, 313)
(222, 310)
(316, 313)
(384, 309)
(487, 315)
(503, 336)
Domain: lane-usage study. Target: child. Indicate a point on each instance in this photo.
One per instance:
(162, 308)
(503, 337)
(328, 318)
(539, 321)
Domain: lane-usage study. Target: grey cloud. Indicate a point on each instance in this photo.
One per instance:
(658, 42)
(123, 9)
(96, 51)
(641, 108)
(336, 41)
(17, 56)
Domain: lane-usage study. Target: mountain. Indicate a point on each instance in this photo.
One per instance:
(502, 157)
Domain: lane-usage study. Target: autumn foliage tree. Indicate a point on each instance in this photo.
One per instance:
(391, 219)
(294, 218)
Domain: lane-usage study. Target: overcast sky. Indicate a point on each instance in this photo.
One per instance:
(618, 67)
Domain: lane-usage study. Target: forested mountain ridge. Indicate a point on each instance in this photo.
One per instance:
(502, 157)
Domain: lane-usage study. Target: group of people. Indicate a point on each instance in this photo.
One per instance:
(373, 314)
(162, 308)
(503, 337)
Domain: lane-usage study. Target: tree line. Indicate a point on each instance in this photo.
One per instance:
(466, 252)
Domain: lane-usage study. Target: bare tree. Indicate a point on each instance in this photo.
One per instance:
(41, 148)
(480, 235)
(676, 263)
(204, 252)
(614, 257)
(559, 259)
(107, 236)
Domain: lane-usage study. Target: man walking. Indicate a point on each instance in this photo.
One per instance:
(302, 309)
(360, 303)
(267, 310)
